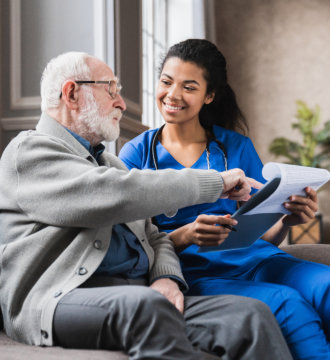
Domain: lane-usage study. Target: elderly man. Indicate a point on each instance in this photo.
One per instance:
(78, 267)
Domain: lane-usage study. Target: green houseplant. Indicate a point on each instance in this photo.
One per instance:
(315, 147)
(314, 150)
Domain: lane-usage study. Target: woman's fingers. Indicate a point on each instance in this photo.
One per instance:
(211, 243)
(302, 208)
(211, 229)
(216, 219)
(305, 204)
(209, 240)
(311, 193)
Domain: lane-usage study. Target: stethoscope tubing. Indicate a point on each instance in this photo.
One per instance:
(154, 152)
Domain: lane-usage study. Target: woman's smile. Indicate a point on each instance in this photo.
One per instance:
(172, 108)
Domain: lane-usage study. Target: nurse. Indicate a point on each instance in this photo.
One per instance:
(201, 119)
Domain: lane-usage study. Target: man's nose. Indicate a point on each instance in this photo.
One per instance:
(120, 103)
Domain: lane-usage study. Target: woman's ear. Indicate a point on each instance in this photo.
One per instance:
(70, 94)
(209, 98)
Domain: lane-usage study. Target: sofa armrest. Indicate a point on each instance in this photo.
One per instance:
(319, 253)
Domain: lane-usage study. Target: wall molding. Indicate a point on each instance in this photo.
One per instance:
(101, 25)
(130, 128)
(17, 101)
(100, 36)
(19, 123)
(29, 122)
(131, 125)
(133, 107)
(209, 20)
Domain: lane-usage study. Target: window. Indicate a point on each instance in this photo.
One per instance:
(164, 23)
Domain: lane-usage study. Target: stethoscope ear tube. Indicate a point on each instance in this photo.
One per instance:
(153, 146)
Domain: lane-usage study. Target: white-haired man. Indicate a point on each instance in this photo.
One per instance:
(79, 268)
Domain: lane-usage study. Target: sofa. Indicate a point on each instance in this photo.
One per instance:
(11, 350)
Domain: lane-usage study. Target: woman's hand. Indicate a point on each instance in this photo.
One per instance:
(237, 186)
(302, 208)
(204, 231)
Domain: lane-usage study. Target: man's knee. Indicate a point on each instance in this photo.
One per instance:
(143, 295)
(250, 305)
(144, 303)
(258, 307)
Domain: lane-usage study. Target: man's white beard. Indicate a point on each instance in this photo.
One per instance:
(90, 121)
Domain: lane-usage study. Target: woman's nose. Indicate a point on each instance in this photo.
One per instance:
(174, 93)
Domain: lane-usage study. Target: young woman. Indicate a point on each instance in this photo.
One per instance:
(201, 115)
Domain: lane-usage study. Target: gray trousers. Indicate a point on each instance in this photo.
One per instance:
(144, 324)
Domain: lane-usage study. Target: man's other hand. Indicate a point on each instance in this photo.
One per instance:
(171, 291)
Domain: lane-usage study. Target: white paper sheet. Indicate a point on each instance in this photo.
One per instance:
(294, 179)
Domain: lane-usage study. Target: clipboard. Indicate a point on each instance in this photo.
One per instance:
(265, 208)
(250, 227)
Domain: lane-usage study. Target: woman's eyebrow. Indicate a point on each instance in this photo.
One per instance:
(185, 81)
(191, 81)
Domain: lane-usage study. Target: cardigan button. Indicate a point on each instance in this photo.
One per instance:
(82, 271)
(44, 334)
(97, 244)
(58, 293)
(171, 214)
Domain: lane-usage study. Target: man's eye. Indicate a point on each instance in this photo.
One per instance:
(165, 82)
(189, 88)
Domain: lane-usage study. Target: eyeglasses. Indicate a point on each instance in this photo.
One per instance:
(114, 86)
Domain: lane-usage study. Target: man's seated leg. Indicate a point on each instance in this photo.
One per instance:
(244, 327)
(135, 319)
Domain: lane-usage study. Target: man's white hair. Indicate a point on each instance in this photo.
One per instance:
(67, 66)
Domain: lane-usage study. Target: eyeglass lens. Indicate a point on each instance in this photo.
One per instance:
(114, 88)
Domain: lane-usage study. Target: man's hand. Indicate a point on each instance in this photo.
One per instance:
(171, 291)
(237, 186)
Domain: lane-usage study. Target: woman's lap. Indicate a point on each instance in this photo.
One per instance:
(300, 323)
(311, 280)
(274, 295)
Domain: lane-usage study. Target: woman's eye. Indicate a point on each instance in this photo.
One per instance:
(189, 88)
(165, 82)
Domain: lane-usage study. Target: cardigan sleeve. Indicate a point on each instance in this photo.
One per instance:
(59, 187)
(166, 263)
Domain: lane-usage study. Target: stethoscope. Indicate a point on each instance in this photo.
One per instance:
(219, 143)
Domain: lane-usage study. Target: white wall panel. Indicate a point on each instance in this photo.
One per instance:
(34, 31)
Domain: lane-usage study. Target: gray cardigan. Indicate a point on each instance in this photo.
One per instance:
(57, 208)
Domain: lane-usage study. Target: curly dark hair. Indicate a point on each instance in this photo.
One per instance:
(223, 110)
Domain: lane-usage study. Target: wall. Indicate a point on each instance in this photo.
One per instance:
(278, 51)
(128, 65)
(34, 31)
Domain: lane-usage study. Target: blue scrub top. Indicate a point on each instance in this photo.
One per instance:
(240, 154)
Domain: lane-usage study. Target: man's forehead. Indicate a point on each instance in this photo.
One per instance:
(100, 69)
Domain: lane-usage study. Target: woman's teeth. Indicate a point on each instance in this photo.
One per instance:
(173, 107)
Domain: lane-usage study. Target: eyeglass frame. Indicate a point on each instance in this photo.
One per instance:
(113, 96)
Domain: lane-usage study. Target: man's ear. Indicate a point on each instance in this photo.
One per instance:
(209, 98)
(70, 94)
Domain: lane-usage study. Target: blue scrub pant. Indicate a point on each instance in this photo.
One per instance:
(298, 293)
